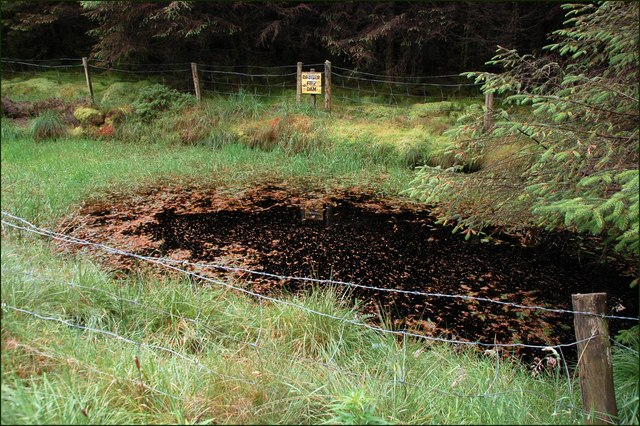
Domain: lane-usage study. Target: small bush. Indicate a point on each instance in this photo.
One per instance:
(88, 116)
(155, 99)
(48, 125)
(355, 409)
(121, 93)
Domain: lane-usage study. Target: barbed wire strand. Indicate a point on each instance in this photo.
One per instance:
(140, 71)
(387, 76)
(349, 77)
(402, 83)
(328, 364)
(394, 290)
(320, 281)
(284, 302)
(434, 389)
(74, 361)
(246, 66)
(39, 65)
(123, 339)
(42, 60)
(242, 74)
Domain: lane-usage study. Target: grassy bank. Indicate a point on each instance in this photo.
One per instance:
(81, 345)
(240, 361)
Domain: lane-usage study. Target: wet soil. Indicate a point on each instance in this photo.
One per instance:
(354, 236)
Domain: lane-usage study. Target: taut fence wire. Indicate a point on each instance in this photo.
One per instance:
(30, 227)
(397, 373)
(349, 85)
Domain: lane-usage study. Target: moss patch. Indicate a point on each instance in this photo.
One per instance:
(88, 116)
(35, 88)
(122, 93)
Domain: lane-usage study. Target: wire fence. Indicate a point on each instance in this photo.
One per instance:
(30, 227)
(396, 374)
(264, 82)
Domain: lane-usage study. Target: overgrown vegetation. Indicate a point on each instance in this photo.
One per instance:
(295, 367)
(99, 375)
(570, 126)
(626, 370)
(48, 125)
(563, 154)
(157, 98)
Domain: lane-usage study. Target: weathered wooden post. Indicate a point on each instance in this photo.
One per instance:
(313, 95)
(488, 113)
(594, 358)
(85, 64)
(196, 80)
(327, 86)
(299, 83)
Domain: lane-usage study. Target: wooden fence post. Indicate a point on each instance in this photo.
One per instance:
(196, 80)
(299, 83)
(85, 64)
(594, 358)
(488, 114)
(327, 85)
(313, 95)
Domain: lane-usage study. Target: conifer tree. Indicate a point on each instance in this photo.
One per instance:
(574, 112)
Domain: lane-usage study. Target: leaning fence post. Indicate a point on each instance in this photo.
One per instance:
(196, 80)
(85, 64)
(488, 113)
(594, 358)
(327, 86)
(299, 83)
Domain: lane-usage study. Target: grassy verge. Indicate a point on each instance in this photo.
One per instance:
(240, 361)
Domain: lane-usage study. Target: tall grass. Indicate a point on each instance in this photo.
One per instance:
(47, 125)
(626, 375)
(46, 181)
(302, 367)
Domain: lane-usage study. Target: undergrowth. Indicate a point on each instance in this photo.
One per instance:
(241, 361)
(47, 125)
(248, 362)
(626, 370)
(157, 98)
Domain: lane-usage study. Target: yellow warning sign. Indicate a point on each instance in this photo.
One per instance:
(312, 83)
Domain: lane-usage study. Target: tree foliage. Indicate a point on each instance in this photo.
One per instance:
(43, 29)
(397, 38)
(574, 113)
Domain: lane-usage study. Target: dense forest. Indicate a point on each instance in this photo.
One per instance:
(395, 38)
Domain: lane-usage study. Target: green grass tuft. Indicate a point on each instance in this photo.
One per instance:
(626, 375)
(47, 125)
